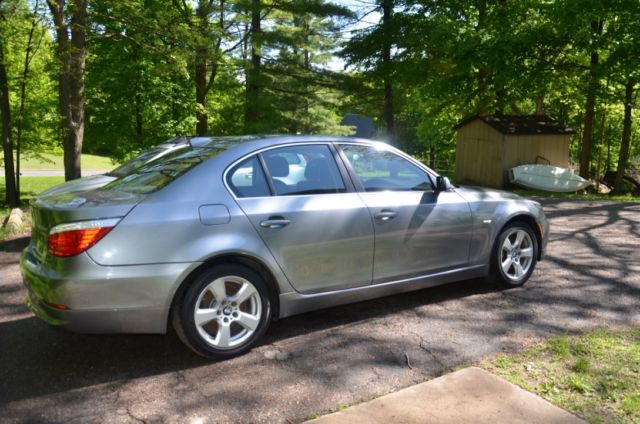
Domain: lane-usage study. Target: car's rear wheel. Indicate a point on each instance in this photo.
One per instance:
(223, 312)
(514, 255)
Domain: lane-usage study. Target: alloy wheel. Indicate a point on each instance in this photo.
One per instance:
(516, 254)
(228, 312)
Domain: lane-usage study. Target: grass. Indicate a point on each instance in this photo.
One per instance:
(596, 376)
(576, 196)
(30, 187)
(53, 161)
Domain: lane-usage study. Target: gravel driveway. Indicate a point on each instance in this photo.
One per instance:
(316, 361)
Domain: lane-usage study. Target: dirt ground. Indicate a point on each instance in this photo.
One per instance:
(589, 279)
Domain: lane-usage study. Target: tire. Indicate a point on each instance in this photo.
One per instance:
(514, 255)
(233, 309)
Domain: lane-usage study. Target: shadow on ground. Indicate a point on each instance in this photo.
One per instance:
(590, 278)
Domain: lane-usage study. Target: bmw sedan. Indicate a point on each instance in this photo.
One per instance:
(223, 238)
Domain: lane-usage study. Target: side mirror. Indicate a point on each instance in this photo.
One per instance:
(442, 183)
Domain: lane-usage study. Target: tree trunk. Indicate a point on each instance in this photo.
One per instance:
(201, 67)
(252, 108)
(387, 14)
(626, 137)
(28, 55)
(71, 49)
(540, 104)
(11, 195)
(202, 126)
(600, 141)
(590, 107)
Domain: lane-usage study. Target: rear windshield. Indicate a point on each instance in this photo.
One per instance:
(157, 174)
(136, 162)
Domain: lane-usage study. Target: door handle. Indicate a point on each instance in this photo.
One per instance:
(386, 215)
(275, 222)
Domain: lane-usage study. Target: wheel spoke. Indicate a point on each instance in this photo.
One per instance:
(506, 265)
(526, 253)
(518, 267)
(248, 321)
(204, 316)
(223, 336)
(245, 292)
(519, 237)
(218, 290)
(507, 245)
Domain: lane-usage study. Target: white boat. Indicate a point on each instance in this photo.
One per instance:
(547, 178)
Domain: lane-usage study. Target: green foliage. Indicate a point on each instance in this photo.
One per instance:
(449, 59)
(40, 114)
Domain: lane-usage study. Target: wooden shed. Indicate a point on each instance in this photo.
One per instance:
(489, 145)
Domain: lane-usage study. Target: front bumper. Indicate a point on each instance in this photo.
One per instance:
(116, 299)
(544, 224)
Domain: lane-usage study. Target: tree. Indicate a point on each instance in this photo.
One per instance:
(253, 70)
(623, 66)
(287, 86)
(209, 29)
(372, 49)
(70, 22)
(11, 195)
(589, 112)
(139, 87)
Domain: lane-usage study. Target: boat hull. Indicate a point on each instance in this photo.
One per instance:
(547, 178)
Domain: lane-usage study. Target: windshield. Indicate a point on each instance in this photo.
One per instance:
(157, 174)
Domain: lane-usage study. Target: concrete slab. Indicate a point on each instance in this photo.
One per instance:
(471, 395)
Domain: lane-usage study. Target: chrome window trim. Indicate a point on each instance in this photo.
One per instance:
(329, 144)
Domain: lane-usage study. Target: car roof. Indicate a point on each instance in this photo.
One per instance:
(256, 142)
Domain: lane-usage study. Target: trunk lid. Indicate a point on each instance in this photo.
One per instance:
(53, 209)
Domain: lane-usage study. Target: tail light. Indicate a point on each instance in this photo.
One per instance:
(76, 237)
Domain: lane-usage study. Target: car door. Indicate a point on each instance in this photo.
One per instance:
(418, 230)
(316, 226)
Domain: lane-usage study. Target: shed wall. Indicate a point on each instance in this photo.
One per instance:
(525, 149)
(479, 155)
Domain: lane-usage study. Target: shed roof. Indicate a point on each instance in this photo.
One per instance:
(520, 124)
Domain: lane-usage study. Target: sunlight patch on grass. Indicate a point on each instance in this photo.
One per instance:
(54, 162)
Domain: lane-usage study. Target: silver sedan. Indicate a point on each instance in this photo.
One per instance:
(223, 238)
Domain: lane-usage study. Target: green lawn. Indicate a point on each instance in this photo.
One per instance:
(596, 376)
(53, 161)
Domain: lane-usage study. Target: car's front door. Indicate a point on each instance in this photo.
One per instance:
(418, 230)
(317, 228)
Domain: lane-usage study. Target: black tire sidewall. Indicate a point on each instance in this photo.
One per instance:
(496, 268)
(186, 318)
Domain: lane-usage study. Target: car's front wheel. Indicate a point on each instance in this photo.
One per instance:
(514, 255)
(223, 312)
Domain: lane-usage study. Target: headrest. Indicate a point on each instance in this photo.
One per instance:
(316, 169)
(277, 166)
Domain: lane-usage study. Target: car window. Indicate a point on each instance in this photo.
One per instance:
(247, 179)
(379, 169)
(297, 170)
(157, 174)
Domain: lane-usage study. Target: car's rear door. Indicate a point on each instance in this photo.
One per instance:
(313, 222)
(418, 230)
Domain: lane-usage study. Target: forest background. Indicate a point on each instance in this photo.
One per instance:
(114, 77)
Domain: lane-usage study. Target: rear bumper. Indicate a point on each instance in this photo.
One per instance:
(122, 299)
